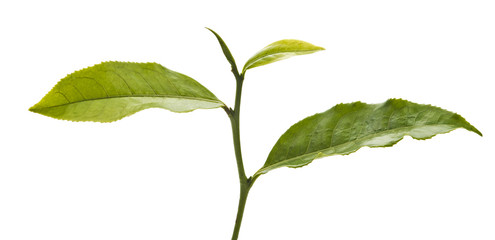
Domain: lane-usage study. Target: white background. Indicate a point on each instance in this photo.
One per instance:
(161, 175)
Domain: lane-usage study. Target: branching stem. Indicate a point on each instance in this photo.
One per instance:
(245, 183)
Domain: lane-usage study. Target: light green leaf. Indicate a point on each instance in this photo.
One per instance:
(109, 91)
(280, 50)
(347, 127)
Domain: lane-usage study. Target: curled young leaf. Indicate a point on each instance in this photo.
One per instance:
(226, 52)
(345, 128)
(109, 91)
(280, 50)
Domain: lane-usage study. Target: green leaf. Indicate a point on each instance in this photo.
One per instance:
(345, 128)
(109, 91)
(226, 52)
(280, 50)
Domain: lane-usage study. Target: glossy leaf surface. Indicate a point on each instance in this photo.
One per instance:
(280, 50)
(347, 127)
(109, 91)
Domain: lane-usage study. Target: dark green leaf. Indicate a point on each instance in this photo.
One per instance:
(347, 127)
(280, 50)
(110, 91)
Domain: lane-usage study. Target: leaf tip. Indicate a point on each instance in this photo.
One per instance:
(471, 128)
(33, 109)
(211, 30)
(36, 108)
(475, 130)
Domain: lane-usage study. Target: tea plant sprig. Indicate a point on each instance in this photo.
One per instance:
(110, 91)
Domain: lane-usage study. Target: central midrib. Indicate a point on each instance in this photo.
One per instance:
(135, 96)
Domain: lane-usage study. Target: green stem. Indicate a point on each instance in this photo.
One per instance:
(245, 183)
(234, 120)
(240, 211)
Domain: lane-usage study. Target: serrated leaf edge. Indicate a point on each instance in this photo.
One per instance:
(320, 154)
(34, 107)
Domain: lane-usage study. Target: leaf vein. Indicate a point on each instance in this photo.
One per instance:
(370, 136)
(125, 82)
(173, 85)
(137, 96)
(94, 79)
(146, 81)
(61, 93)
